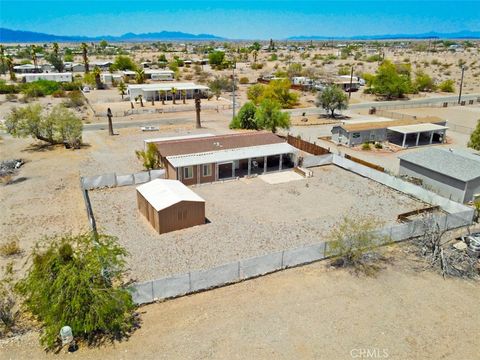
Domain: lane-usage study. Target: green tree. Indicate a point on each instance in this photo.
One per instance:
(140, 76)
(270, 116)
(10, 68)
(76, 281)
(174, 94)
(3, 65)
(245, 119)
(122, 88)
(123, 62)
(474, 142)
(103, 44)
(96, 74)
(150, 157)
(389, 82)
(255, 93)
(216, 58)
(60, 126)
(56, 61)
(332, 98)
(279, 90)
(220, 84)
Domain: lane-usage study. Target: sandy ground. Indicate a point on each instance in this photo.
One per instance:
(247, 218)
(311, 312)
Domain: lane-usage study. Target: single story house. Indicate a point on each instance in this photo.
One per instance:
(149, 91)
(74, 67)
(58, 77)
(405, 133)
(109, 78)
(454, 174)
(207, 158)
(103, 65)
(160, 75)
(27, 69)
(169, 205)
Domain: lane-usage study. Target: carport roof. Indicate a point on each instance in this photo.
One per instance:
(460, 165)
(416, 128)
(162, 193)
(230, 154)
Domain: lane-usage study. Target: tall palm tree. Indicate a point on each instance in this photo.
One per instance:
(174, 92)
(96, 72)
(163, 95)
(55, 49)
(198, 124)
(85, 57)
(2, 59)
(33, 53)
(255, 55)
(10, 68)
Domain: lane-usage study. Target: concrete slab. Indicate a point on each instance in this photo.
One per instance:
(280, 177)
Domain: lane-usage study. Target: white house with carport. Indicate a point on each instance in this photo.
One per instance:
(58, 77)
(152, 91)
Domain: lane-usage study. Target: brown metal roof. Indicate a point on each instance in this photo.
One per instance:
(385, 124)
(214, 143)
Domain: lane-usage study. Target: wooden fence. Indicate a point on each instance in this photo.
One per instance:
(366, 163)
(307, 146)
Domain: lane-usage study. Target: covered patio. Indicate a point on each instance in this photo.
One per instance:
(417, 134)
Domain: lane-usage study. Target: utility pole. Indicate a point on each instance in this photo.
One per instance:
(461, 85)
(233, 89)
(351, 81)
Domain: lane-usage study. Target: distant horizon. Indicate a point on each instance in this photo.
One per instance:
(241, 20)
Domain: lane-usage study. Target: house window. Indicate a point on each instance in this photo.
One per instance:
(188, 172)
(207, 170)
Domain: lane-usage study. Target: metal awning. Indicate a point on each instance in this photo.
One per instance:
(417, 128)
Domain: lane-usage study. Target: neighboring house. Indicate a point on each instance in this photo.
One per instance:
(74, 67)
(27, 69)
(169, 205)
(454, 174)
(160, 75)
(58, 77)
(109, 79)
(405, 133)
(103, 65)
(207, 158)
(149, 91)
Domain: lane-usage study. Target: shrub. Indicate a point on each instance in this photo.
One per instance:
(71, 86)
(366, 146)
(243, 80)
(75, 99)
(447, 86)
(11, 97)
(352, 242)
(76, 281)
(256, 66)
(374, 58)
(149, 157)
(8, 88)
(378, 145)
(59, 93)
(10, 248)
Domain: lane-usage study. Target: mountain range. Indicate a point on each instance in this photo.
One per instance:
(19, 36)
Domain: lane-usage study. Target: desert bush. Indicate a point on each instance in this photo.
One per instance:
(366, 146)
(243, 80)
(150, 157)
(352, 243)
(77, 281)
(8, 88)
(10, 248)
(378, 145)
(447, 86)
(75, 99)
(11, 97)
(60, 93)
(256, 66)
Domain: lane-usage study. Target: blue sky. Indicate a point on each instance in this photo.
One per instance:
(240, 19)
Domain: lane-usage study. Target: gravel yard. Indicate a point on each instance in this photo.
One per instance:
(246, 218)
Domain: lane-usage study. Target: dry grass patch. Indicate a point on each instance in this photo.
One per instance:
(10, 248)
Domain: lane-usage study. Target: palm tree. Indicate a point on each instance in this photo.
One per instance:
(122, 88)
(33, 53)
(254, 54)
(140, 98)
(2, 58)
(85, 56)
(10, 68)
(162, 94)
(96, 72)
(174, 92)
(198, 124)
(140, 76)
(55, 49)
(184, 95)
